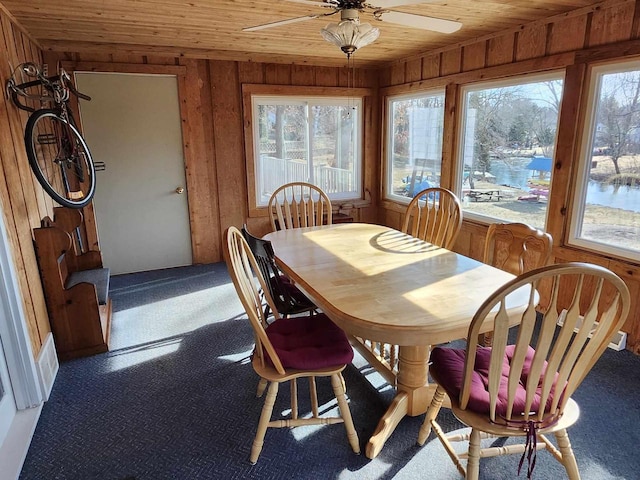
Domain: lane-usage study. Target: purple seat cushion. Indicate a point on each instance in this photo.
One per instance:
(309, 343)
(448, 370)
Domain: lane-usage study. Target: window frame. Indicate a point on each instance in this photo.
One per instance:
(387, 195)
(556, 74)
(249, 91)
(594, 75)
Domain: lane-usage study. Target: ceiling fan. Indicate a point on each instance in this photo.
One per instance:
(349, 16)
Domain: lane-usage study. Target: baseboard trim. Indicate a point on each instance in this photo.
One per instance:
(47, 366)
(13, 450)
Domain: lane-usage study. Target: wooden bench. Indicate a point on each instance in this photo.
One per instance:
(71, 221)
(76, 288)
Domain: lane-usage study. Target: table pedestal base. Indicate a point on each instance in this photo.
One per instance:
(413, 397)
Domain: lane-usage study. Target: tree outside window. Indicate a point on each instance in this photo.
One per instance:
(507, 143)
(606, 214)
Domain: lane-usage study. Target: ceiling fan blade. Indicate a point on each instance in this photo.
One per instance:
(419, 21)
(316, 3)
(279, 23)
(391, 3)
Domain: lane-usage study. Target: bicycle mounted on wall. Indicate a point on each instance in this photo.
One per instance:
(57, 152)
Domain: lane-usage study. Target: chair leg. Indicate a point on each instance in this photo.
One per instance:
(262, 385)
(473, 460)
(337, 382)
(294, 399)
(265, 417)
(313, 393)
(432, 413)
(568, 458)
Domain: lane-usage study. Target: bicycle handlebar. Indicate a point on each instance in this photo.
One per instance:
(19, 90)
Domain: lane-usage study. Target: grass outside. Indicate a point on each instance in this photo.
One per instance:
(613, 226)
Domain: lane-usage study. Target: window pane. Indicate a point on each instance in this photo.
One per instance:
(610, 199)
(508, 140)
(414, 145)
(333, 148)
(307, 140)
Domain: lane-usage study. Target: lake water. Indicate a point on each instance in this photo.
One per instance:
(515, 174)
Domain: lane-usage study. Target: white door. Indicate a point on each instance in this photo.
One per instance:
(7, 402)
(132, 124)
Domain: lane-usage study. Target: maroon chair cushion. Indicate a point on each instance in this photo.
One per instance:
(309, 343)
(448, 370)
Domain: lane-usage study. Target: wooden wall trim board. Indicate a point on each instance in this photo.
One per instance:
(226, 98)
(306, 91)
(135, 50)
(108, 67)
(199, 151)
(564, 168)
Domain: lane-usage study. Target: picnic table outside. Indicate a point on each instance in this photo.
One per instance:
(487, 195)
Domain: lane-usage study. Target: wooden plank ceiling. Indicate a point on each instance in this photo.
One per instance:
(213, 28)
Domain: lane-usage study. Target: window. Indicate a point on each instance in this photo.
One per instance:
(606, 213)
(315, 140)
(414, 144)
(507, 141)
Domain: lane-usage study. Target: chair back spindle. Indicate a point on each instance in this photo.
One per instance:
(299, 204)
(434, 215)
(243, 270)
(288, 349)
(567, 355)
(287, 298)
(523, 384)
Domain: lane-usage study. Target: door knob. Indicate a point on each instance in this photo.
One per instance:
(179, 190)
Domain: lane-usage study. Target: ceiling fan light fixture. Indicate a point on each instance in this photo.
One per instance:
(350, 34)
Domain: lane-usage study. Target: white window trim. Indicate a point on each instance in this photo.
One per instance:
(388, 195)
(335, 100)
(582, 179)
(13, 332)
(459, 169)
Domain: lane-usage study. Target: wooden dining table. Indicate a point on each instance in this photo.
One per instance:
(379, 284)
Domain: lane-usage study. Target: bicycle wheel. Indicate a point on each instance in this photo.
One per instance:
(60, 158)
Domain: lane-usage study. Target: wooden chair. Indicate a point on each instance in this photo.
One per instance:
(288, 299)
(434, 215)
(283, 349)
(528, 391)
(299, 204)
(515, 248)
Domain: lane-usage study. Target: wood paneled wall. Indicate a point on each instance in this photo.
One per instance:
(22, 200)
(605, 31)
(210, 94)
(213, 133)
(212, 116)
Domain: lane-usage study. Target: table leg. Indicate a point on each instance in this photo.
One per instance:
(413, 396)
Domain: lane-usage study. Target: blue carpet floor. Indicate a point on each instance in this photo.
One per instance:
(175, 399)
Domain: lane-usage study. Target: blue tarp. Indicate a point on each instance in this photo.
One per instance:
(542, 164)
